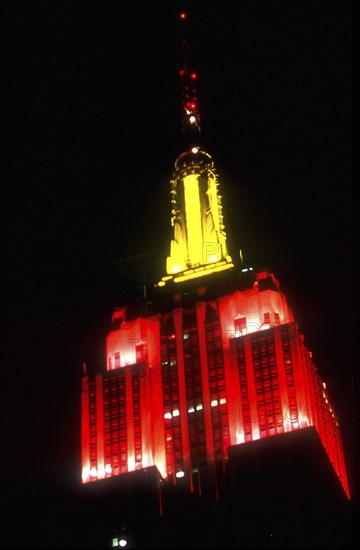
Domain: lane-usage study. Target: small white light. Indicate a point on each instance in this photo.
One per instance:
(191, 410)
(195, 150)
(324, 385)
(250, 268)
(168, 415)
(115, 542)
(245, 269)
(93, 472)
(108, 469)
(101, 470)
(192, 119)
(214, 402)
(176, 412)
(222, 400)
(180, 474)
(85, 474)
(199, 407)
(122, 542)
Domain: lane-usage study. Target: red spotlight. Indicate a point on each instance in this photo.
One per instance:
(182, 15)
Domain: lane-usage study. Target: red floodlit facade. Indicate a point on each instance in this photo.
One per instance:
(183, 385)
(214, 359)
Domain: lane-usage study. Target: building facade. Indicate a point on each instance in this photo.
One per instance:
(216, 369)
(212, 358)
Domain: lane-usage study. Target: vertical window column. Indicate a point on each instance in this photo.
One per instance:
(137, 417)
(218, 408)
(172, 424)
(100, 426)
(107, 427)
(92, 423)
(122, 423)
(293, 414)
(244, 390)
(194, 399)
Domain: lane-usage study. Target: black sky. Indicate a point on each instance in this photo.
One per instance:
(91, 123)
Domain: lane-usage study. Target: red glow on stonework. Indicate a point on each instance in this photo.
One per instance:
(262, 355)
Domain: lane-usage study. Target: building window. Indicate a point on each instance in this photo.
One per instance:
(140, 352)
(240, 326)
(277, 318)
(267, 318)
(117, 359)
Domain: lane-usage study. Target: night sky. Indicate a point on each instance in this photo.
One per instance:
(91, 104)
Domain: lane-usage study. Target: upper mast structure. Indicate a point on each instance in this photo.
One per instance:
(189, 100)
(198, 246)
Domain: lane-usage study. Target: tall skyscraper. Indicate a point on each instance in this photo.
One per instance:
(210, 360)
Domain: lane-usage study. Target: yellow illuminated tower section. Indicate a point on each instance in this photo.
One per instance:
(198, 244)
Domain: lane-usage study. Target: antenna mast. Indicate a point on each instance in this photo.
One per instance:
(190, 115)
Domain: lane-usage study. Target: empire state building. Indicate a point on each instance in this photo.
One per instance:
(212, 363)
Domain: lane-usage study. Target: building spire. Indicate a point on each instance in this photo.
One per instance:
(198, 246)
(190, 118)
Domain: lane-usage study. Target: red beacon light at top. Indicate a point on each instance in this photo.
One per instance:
(182, 15)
